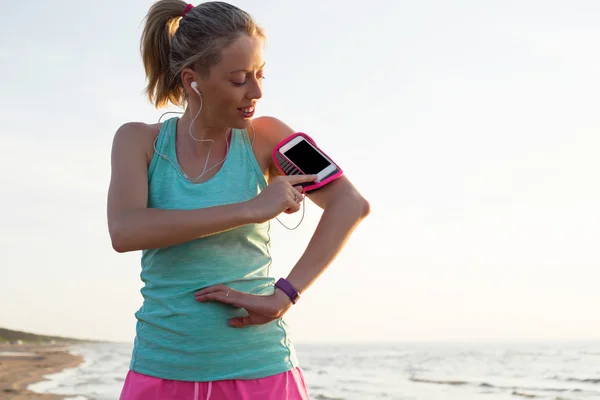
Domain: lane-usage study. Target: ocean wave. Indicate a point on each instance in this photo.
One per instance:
(324, 397)
(594, 381)
(453, 383)
(516, 389)
(528, 395)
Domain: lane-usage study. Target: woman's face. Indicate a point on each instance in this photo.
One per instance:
(230, 93)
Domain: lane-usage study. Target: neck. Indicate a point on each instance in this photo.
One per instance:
(203, 134)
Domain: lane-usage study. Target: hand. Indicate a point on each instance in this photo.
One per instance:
(279, 196)
(261, 309)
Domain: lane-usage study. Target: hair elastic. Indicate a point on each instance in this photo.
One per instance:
(187, 9)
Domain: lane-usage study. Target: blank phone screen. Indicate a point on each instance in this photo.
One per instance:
(309, 160)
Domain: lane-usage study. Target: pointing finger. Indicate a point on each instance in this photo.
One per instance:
(295, 179)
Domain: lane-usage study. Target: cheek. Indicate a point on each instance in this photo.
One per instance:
(218, 103)
(223, 108)
(224, 101)
(230, 100)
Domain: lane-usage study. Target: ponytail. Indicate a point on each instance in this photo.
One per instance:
(170, 43)
(161, 24)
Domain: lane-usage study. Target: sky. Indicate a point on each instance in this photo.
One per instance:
(471, 127)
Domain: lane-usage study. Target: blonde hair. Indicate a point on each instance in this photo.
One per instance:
(170, 43)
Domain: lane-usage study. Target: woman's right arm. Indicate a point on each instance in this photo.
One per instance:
(133, 226)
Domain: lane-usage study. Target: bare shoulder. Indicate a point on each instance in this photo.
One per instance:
(269, 132)
(137, 131)
(136, 137)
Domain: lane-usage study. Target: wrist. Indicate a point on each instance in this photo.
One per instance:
(283, 301)
(248, 213)
(284, 286)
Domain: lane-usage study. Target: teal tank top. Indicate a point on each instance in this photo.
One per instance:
(177, 337)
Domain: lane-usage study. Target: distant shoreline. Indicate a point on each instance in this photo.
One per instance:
(24, 364)
(19, 337)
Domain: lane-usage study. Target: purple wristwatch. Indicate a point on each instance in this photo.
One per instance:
(288, 289)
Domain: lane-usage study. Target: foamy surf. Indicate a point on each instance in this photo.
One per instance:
(427, 371)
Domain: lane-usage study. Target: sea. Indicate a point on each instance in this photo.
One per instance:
(402, 371)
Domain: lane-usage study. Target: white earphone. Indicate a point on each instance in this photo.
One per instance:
(194, 86)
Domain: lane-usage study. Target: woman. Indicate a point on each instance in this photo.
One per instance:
(196, 195)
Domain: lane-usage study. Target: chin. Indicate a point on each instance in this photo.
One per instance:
(241, 123)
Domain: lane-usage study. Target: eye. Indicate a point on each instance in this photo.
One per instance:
(238, 84)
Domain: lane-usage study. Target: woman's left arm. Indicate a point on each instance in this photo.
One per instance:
(343, 210)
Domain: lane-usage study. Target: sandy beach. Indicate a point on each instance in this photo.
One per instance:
(22, 365)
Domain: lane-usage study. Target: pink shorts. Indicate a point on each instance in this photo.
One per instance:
(285, 386)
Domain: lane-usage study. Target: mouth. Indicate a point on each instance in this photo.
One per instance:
(246, 112)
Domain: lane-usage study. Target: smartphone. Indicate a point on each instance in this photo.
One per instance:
(298, 154)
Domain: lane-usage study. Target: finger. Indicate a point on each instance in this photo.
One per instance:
(212, 289)
(293, 207)
(295, 179)
(294, 198)
(240, 322)
(221, 298)
(299, 188)
(217, 295)
(297, 193)
(224, 296)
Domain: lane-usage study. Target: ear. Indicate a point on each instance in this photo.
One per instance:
(187, 77)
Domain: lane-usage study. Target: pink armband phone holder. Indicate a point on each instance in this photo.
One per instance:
(287, 167)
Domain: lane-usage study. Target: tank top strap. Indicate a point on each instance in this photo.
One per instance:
(161, 143)
(246, 144)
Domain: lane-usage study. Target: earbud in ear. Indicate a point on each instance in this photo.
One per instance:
(194, 86)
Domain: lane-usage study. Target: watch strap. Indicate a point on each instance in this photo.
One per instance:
(288, 289)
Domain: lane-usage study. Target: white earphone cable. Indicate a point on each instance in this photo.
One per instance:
(180, 170)
(204, 171)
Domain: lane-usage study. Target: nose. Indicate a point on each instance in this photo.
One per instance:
(255, 92)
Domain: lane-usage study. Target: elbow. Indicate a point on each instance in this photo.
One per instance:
(119, 247)
(365, 207)
(118, 238)
(118, 244)
(361, 205)
(356, 205)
